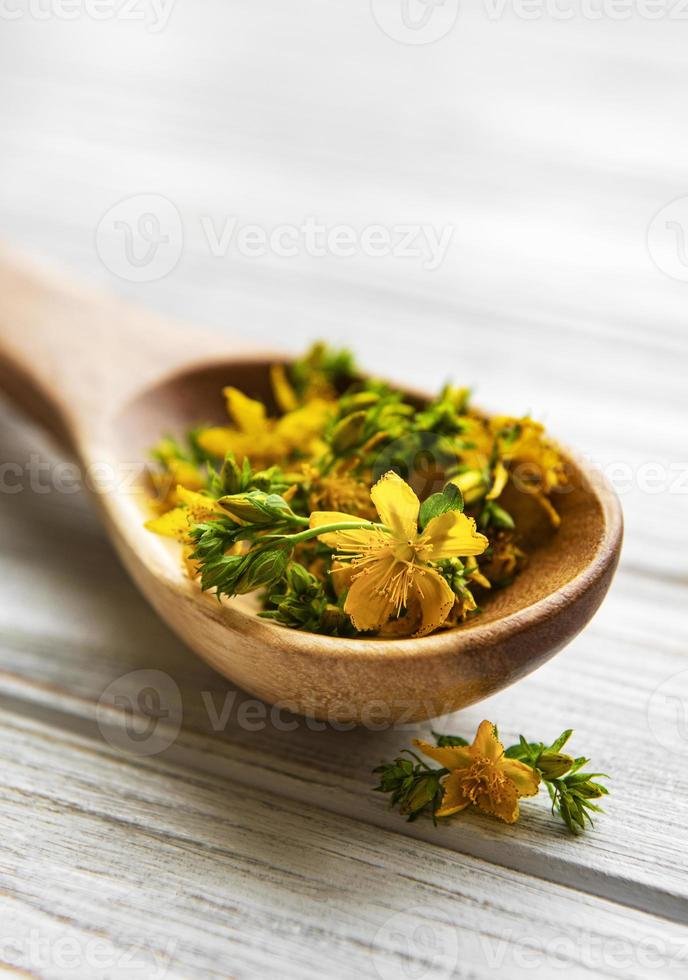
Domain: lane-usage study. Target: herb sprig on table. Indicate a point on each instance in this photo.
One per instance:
(485, 775)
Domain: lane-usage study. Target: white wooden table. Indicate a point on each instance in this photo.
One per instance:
(243, 849)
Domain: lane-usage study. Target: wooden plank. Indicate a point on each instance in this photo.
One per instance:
(64, 648)
(127, 866)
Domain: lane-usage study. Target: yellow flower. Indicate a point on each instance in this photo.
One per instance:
(265, 440)
(464, 604)
(532, 462)
(476, 443)
(285, 396)
(530, 446)
(472, 485)
(505, 560)
(472, 571)
(194, 508)
(391, 565)
(177, 472)
(339, 491)
(482, 775)
(500, 478)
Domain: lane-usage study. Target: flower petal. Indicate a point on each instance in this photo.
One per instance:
(478, 577)
(525, 779)
(192, 567)
(297, 428)
(181, 471)
(549, 509)
(285, 396)
(218, 440)
(486, 745)
(453, 800)
(368, 603)
(341, 574)
(450, 756)
(173, 524)
(504, 806)
(501, 476)
(451, 535)
(351, 540)
(435, 597)
(199, 505)
(406, 624)
(247, 414)
(397, 505)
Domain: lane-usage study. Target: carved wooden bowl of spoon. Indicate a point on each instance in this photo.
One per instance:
(108, 379)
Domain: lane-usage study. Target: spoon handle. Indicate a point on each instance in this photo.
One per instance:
(69, 355)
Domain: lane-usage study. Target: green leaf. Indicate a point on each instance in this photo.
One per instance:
(348, 432)
(446, 740)
(560, 742)
(449, 499)
(493, 515)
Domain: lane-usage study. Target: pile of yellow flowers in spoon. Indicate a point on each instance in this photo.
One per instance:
(353, 509)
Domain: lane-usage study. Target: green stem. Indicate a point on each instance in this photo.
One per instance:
(314, 532)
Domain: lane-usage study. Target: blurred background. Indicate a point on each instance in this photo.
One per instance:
(476, 192)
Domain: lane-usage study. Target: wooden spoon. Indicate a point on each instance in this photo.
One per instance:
(108, 380)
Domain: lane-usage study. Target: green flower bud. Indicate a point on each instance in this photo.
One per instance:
(230, 475)
(348, 432)
(335, 620)
(472, 485)
(589, 790)
(553, 765)
(421, 795)
(222, 573)
(457, 397)
(300, 580)
(362, 399)
(255, 507)
(261, 568)
(265, 479)
(500, 517)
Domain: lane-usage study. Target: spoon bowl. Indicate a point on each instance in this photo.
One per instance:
(109, 380)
